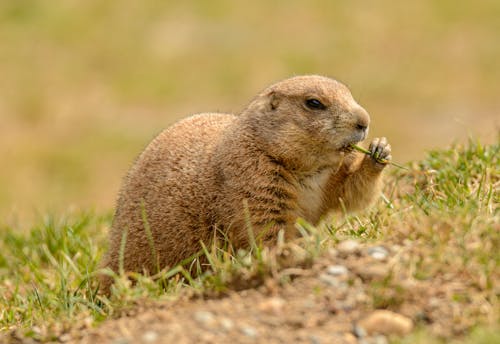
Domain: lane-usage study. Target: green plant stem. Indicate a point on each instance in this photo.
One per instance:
(382, 161)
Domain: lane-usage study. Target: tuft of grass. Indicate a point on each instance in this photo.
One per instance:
(444, 211)
(46, 274)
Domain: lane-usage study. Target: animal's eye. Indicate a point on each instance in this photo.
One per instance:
(315, 104)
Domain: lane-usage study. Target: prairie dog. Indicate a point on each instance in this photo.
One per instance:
(286, 155)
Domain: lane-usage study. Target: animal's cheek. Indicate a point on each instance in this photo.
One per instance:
(323, 127)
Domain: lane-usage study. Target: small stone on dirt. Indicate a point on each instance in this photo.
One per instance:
(65, 338)
(385, 322)
(348, 246)
(332, 281)
(121, 341)
(150, 337)
(314, 340)
(359, 331)
(272, 305)
(226, 324)
(373, 272)
(205, 318)
(349, 338)
(337, 270)
(378, 252)
(249, 331)
(380, 339)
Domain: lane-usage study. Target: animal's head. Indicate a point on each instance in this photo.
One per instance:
(312, 115)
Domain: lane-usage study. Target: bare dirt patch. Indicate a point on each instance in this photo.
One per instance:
(334, 301)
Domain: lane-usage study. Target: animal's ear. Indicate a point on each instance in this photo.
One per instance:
(265, 102)
(273, 100)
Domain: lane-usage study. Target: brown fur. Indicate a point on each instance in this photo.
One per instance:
(277, 161)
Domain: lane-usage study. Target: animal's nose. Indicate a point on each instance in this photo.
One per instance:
(360, 126)
(362, 119)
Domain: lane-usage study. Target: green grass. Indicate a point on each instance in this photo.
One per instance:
(445, 207)
(45, 273)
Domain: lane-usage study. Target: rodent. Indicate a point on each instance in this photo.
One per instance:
(288, 154)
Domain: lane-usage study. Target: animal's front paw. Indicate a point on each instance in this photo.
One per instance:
(380, 152)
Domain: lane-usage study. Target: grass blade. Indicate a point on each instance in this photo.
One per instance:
(382, 161)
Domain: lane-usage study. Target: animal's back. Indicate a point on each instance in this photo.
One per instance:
(166, 193)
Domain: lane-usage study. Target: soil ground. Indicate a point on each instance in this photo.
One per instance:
(327, 302)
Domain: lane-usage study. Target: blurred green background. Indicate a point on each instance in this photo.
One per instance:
(85, 84)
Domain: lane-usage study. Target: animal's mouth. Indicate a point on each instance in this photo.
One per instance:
(351, 140)
(347, 148)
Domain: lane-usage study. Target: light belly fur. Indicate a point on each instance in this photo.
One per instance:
(311, 193)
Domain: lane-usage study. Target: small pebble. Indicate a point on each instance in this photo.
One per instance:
(373, 340)
(434, 302)
(349, 338)
(386, 323)
(272, 305)
(359, 331)
(149, 336)
(348, 246)
(373, 272)
(361, 297)
(314, 340)
(337, 270)
(207, 337)
(121, 341)
(227, 324)
(380, 339)
(378, 252)
(64, 338)
(205, 318)
(249, 331)
(330, 280)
